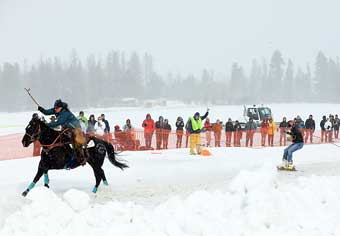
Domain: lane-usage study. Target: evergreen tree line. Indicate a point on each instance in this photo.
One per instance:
(103, 82)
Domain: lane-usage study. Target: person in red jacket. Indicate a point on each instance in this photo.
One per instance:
(207, 129)
(264, 131)
(149, 127)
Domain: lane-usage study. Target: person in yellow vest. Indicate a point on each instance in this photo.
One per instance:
(194, 126)
(271, 131)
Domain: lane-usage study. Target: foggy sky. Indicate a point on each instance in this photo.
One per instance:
(182, 35)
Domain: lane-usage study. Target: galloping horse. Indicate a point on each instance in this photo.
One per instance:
(58, 154)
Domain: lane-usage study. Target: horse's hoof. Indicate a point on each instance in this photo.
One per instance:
(24, 194)
(46, 185)
(94, 190)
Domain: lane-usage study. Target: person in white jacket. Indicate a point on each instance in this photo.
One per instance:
(99, 127)
(329, 130)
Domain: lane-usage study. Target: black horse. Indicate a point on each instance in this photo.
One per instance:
(58, 154)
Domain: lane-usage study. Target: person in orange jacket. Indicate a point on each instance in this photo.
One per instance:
(217, 128)
(271, 132)
(149, 127)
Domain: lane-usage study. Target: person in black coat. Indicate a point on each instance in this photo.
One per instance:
(229, 128)
(297, 143)
(179, 131)
(323, 129)
(310, 128)
(283, 128)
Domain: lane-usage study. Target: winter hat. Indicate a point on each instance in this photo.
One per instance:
(197, 114)
(58, 103)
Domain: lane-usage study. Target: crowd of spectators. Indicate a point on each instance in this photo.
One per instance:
(234, 131)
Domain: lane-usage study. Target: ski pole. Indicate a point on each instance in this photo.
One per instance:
(28, 91)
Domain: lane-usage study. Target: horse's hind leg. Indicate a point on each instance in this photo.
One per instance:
(103, 177)
(35, 180)
(46, 179)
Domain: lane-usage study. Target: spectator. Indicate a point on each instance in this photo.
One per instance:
(250, 131)
(187, 134)
(107, 125)
(299, 123)
(91, 124)
(107, 134)
(208, 129)
(53, 119)
(83, 118)
(323, 129)
(166, 132)
(310, 128)
(332, 120)
(237, 134)
(217, 128)
(195, 126)
(229, 128)
(149, 127)
(336, 126)
(283, 129)
(127, 126)
(159, 131)
(100, 127)
(271, 132)
(264, 131)
(82, 126)
(179, 131)
(328, 127)
(117, 129)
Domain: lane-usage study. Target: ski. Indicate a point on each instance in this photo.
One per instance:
(286, 168)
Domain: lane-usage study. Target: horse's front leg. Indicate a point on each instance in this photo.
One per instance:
(46, 179)
(35, 180)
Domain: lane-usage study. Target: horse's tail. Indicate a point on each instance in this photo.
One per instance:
(112, 156)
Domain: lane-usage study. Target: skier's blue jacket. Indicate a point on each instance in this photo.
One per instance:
(65, 118)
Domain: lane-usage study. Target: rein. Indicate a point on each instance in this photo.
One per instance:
(48, 146)
(54, 143)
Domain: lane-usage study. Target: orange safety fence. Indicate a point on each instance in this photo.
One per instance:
(11, 147)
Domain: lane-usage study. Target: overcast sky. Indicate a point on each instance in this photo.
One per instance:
(183, 35)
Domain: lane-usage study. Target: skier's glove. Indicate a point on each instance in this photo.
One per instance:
(40, 108)
(208, 109)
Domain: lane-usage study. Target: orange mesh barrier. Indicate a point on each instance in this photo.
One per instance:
(11, 147)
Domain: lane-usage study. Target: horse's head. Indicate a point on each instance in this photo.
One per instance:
(32, 131)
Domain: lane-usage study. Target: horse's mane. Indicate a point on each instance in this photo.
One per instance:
(44, 125)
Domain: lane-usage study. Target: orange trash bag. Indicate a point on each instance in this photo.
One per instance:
(205, 152)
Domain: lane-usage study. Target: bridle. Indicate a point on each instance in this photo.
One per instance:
(36, 135)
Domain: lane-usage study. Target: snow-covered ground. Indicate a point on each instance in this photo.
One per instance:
(236, 191)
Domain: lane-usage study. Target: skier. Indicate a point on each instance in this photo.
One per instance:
(297, 144)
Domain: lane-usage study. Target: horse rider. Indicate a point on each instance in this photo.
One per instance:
(67, 120)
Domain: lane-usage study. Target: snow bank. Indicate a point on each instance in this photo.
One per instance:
(255, 203)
